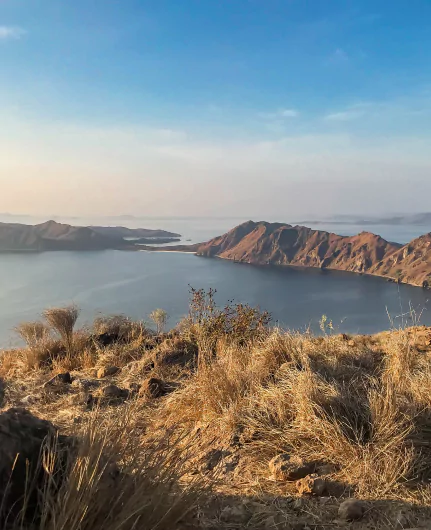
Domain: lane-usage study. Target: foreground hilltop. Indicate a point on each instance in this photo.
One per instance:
(221, 423)
(263, 243)
(51, 235)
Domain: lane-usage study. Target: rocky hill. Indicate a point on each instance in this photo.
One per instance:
(410, 264)
(51, 235)
(265, 243)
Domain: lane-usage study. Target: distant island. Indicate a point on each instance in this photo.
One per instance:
(15, 237)
(419, 219)
(263, 243)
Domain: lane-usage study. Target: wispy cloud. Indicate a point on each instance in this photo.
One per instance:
(346, 115)
(11, 32)
(279, 114)
(288, 113)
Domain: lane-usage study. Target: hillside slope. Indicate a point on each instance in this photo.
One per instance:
(265, 243)
(410, 264)
(51, 235)
(222, 423)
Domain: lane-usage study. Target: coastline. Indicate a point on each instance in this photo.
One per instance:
(169, 251)
(390, 279)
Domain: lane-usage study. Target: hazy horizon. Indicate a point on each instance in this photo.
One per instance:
(215, 109)
(335, 216)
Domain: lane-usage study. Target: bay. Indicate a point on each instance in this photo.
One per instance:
(135, 283)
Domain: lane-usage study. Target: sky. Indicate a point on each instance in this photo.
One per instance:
(215, 107)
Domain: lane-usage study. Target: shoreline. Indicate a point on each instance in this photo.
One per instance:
(388, 279)
(169, 251)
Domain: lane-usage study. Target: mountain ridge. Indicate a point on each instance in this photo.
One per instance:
(51, 235)
(263, 243)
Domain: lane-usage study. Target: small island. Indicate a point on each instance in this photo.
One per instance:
(15, 237)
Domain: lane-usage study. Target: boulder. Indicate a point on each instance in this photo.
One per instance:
(107, 371)
(351, 510)
(326, 469)
(283, 467)
(114, 392)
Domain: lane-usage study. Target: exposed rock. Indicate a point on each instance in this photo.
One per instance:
(114, 392)
(283, 467)
(107, 371)
(351, 510)
(154, 388)
(85, 384)
(311, 485)
(326, 469)
(337, 489)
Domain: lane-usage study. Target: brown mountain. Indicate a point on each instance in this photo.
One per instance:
(283, 244)
(410, 264)
(51, 235)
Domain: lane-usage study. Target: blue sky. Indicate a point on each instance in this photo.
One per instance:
(215, 106)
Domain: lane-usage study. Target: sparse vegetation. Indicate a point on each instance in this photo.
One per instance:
(159, 317)
(62, 320)
(212, 402)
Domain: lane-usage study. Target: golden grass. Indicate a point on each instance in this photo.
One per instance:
(113, 482)
(360, 405)
(62, 320)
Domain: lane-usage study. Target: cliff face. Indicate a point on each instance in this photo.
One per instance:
(281, 244)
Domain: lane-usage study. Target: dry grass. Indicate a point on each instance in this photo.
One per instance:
(360, 405)
(113, 482)
(62, 320)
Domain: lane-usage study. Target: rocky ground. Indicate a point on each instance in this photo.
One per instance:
(222, 423)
